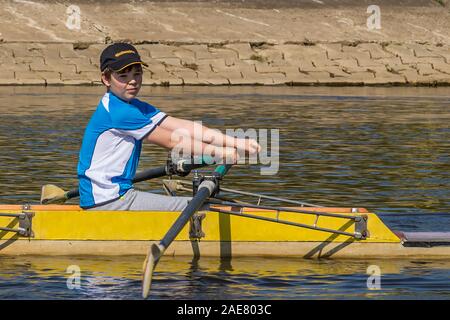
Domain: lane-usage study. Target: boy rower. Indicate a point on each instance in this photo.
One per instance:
(113, 139)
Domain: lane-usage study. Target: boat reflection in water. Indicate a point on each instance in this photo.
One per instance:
(36, 277)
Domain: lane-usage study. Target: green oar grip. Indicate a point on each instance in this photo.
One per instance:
(223, 169)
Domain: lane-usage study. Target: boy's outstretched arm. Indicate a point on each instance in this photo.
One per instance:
(185, 144)
(209, 136)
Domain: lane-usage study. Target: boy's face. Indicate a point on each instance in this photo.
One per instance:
(126, 83)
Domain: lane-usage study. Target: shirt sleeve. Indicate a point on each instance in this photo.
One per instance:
(137, 119)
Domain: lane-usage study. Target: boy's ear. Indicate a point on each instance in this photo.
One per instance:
(106, 79)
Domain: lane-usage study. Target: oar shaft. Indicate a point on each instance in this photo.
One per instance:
(205, 190)
(74, 193)
(150, 174)
(193, 206)
(154, 173)
(140, 176)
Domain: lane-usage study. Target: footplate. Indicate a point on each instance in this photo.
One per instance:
(25, 220)
(361, 231)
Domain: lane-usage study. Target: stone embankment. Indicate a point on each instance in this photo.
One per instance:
(260, 42)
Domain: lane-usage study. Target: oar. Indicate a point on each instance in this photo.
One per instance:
(54, 194)
(205, 190)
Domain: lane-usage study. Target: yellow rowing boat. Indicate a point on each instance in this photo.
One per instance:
(230, 227)
(225, 230)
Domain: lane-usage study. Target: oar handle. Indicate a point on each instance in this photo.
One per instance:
(223, 169)
(181, 167)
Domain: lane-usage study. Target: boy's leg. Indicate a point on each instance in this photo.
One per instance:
(135, 200)
(151, 201)
(121, 204)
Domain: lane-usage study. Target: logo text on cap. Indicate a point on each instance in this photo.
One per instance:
(123, 52)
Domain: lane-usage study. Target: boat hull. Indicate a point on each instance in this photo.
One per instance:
(227, 249)
(68, 230)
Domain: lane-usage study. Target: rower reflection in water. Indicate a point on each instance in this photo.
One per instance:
(113, 139)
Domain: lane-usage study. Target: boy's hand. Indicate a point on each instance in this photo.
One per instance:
(227, 155)
(250, 146)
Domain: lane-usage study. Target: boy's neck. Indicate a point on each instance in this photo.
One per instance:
(117, 96)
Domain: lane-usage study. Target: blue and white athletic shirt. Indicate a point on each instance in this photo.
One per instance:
(111, 148)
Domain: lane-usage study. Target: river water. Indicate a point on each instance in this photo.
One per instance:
(386, 149)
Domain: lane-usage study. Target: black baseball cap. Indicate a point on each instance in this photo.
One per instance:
(118, 56)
